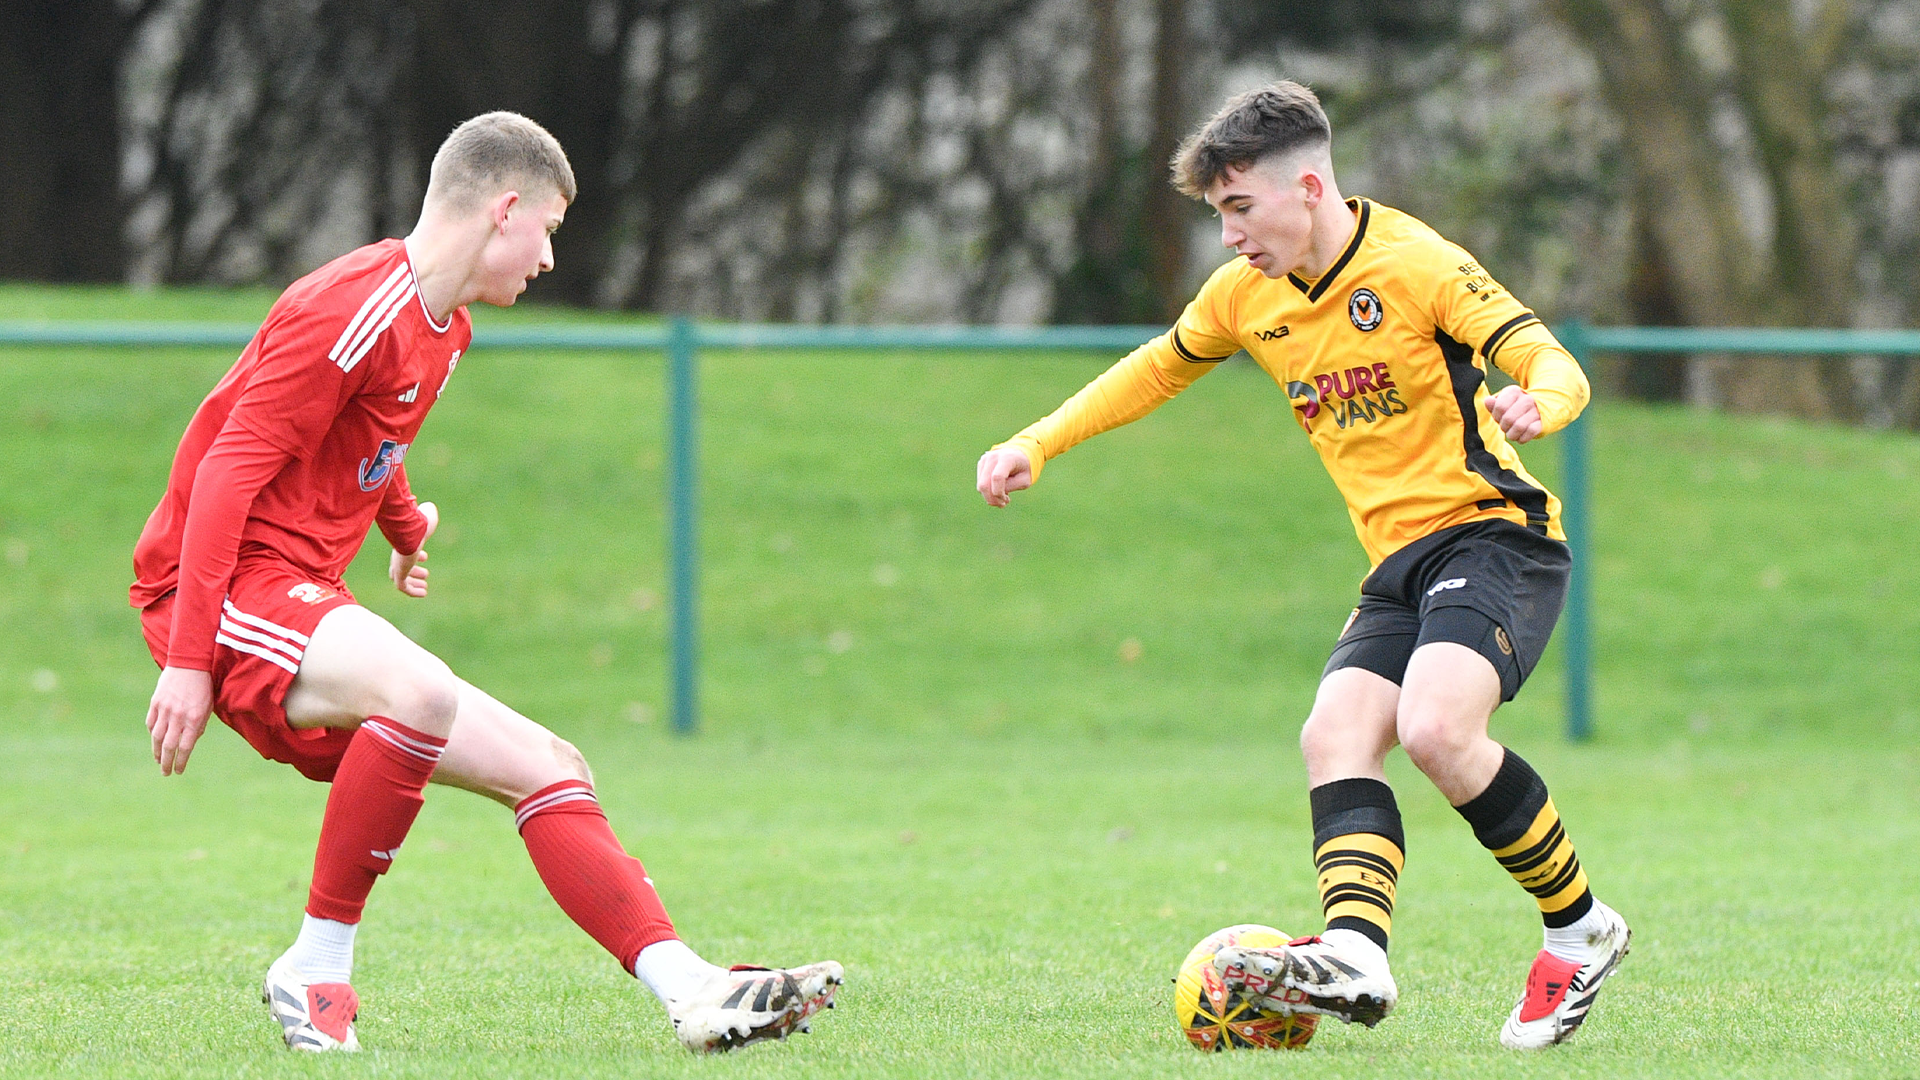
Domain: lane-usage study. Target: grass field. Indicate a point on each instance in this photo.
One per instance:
(1006, 766)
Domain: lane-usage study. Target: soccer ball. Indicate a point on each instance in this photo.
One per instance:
(1215, 1018)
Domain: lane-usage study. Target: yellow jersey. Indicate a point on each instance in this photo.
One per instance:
(1384, 358)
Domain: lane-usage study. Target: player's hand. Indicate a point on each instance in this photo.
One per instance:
(1513, 409)
(1002, 471)
(405, 570)
(177, 716)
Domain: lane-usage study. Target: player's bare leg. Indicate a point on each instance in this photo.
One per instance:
(1357, 851)
(1449, 693)
(495, 751)
(1446, 699)
(1352, 727)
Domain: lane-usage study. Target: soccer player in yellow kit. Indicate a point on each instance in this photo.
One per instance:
(1380, 331)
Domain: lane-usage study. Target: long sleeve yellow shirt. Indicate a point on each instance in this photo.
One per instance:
(1384, 358)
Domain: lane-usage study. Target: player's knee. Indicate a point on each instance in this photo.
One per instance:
(571, 761)
(424, 696)
(1319, 739)
(1433, 739)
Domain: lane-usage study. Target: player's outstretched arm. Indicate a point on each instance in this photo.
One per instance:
(1517, 414)
(405, 570)
(1002, 471)
(177, 716)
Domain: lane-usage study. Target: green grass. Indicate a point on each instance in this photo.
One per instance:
(925, 754)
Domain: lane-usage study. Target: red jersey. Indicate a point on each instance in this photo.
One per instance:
(299, 448)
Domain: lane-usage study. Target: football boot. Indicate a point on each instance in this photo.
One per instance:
(1350, 983)
(1560, 992)
(312, 1016)
(747, 1004)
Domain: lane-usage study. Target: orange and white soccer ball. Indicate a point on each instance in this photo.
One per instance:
(1215, 1018)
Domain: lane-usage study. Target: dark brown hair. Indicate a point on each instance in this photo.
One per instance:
(1274, 119)
(499, 151)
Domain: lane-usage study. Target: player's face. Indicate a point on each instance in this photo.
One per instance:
(1266, 214)
(520, 246)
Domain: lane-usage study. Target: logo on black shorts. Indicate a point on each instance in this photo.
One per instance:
(1500, 639)
(1363, 307)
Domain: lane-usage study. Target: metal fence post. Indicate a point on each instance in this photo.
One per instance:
(683, 524)
(1576, 506)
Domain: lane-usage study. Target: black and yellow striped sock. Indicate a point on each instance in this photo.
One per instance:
(1515, 819)
(1358, 849)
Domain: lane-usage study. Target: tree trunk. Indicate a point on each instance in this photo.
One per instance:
(61, 214)
(1663, 111)
(544, 61)
(1166, 216)
(1664, 101)
(1815, 242)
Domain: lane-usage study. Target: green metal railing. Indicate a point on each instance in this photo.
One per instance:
(1576, 496)
(681, 340)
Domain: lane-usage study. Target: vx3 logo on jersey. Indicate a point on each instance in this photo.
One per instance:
(1356, 395)
(374, 471)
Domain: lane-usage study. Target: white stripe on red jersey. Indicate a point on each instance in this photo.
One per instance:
(387, 314)
(352, 333)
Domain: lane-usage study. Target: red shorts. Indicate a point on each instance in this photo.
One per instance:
(270, 611)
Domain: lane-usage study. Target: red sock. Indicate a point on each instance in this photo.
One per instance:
(375, 797)
(593, 879)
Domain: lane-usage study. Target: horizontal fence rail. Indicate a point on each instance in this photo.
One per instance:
(571, 336)
(1577, 503)
(681, 340)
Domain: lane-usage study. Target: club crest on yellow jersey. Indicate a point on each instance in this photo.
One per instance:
(1363, 307)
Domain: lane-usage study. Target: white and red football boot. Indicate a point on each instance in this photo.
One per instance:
(313, 1016)
(747, 1004)
(1560, 993)
(1345, 978)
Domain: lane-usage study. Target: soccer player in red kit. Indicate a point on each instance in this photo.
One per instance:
(297, 450)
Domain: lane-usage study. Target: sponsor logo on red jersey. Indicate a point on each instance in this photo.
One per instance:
(375, 470)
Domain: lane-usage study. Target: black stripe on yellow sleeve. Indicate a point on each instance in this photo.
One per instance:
(1500, 335)
(1187, 354)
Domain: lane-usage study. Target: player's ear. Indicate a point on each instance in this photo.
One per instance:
(502, 208)
(1314, 186)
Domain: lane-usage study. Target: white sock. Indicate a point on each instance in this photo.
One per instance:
(1572, 943)
(324, 950)
(671, 970)
(1358, 945)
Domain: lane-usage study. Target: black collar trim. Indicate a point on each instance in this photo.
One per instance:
(1319, 288)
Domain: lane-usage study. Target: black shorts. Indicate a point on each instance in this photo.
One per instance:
(1493, 586)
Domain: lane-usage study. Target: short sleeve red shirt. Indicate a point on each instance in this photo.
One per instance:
(340, 375)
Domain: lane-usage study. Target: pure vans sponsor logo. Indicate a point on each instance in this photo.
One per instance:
(1355, 395)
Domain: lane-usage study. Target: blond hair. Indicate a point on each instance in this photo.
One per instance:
(495, 152)
(1274, 119)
